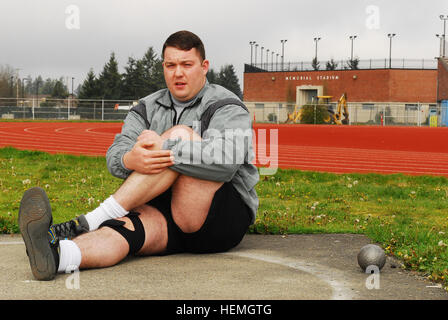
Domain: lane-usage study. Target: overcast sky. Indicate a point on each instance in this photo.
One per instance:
(55, 38)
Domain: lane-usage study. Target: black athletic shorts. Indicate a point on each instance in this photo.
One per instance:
(227, 221)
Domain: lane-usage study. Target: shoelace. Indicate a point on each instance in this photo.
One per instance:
(65, 229)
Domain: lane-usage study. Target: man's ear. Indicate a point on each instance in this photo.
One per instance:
(205, 66)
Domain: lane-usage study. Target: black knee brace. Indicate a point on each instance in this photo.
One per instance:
(135, 238)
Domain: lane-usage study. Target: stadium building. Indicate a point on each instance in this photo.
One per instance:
(393, 91)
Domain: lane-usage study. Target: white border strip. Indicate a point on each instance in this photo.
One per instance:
(340, 292)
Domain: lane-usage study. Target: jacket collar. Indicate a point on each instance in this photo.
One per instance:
(165, 99)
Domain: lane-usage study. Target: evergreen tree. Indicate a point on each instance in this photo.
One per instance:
(90, 87)
(28, 86)
(158, 77)
(134, 83)
(48, 86)
(153, 71)
(332, 65)
(142, 77)
(110, 79)
(212, 76)
(228, 79)
(315, 64)
(78, 90)
(7, 81)
(37, 85)
(59, 90)
(353, 64)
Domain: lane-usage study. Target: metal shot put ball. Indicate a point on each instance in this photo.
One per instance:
(371, 255)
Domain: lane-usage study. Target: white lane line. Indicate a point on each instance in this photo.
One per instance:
(11, 242)
(60, 130)
(109, 134)
(326, 274)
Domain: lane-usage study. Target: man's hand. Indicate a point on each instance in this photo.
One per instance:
(147, 156)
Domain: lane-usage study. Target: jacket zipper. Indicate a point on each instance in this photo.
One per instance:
(182, 112)
(175, 116)
(180, 116)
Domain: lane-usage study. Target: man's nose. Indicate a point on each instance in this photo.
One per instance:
(178, 71)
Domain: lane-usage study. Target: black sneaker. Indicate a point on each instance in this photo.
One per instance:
(70, 229)
(34, 220)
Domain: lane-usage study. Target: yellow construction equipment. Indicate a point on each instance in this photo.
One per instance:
(294, 117)
(342, 103)
(333, 117)
(325, 101)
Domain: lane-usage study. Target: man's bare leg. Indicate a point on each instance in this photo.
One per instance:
(144, 183)
(140, 188)
(106, 247)
(191, 201)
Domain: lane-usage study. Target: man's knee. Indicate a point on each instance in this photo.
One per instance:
(130, 228)
(191, 200)
(101, 248)
(181, 131)
(157, 231)
(188, 184)
(188, 224)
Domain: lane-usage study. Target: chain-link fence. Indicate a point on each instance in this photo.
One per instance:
(340, 65)
(64, 109)
(386, 114)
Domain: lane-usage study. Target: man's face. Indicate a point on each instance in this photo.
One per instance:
(185, 72)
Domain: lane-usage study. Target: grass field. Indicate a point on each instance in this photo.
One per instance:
(407, 215)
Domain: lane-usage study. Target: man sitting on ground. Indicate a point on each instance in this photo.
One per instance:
(185, 190)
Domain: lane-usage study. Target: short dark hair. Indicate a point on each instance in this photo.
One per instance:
(184, 40)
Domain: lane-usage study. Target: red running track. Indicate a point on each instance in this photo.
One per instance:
(339, 149)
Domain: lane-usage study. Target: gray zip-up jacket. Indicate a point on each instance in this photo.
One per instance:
(224, 154)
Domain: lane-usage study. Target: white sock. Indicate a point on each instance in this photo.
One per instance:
(108, 209)
(69, 256)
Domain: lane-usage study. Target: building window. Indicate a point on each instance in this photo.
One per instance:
(367, 106)
(259, 106)
(280, 105)
(433, 110)
(410, 107)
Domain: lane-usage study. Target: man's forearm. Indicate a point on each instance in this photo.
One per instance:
(123, 143)
(216, 161)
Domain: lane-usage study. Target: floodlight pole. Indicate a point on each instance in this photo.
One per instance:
(251, 49)
(276, 61)
(70, 101)
(23, 86)
(283, 52)
(440, 44)
(352, 38)
(12, 86)
(316, 40)
(256, 47)
(267, 59)
(390, 35)
(444, 18)
(17, 86)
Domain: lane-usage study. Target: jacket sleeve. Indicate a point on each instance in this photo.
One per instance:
(124, 142)
(224, 148)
